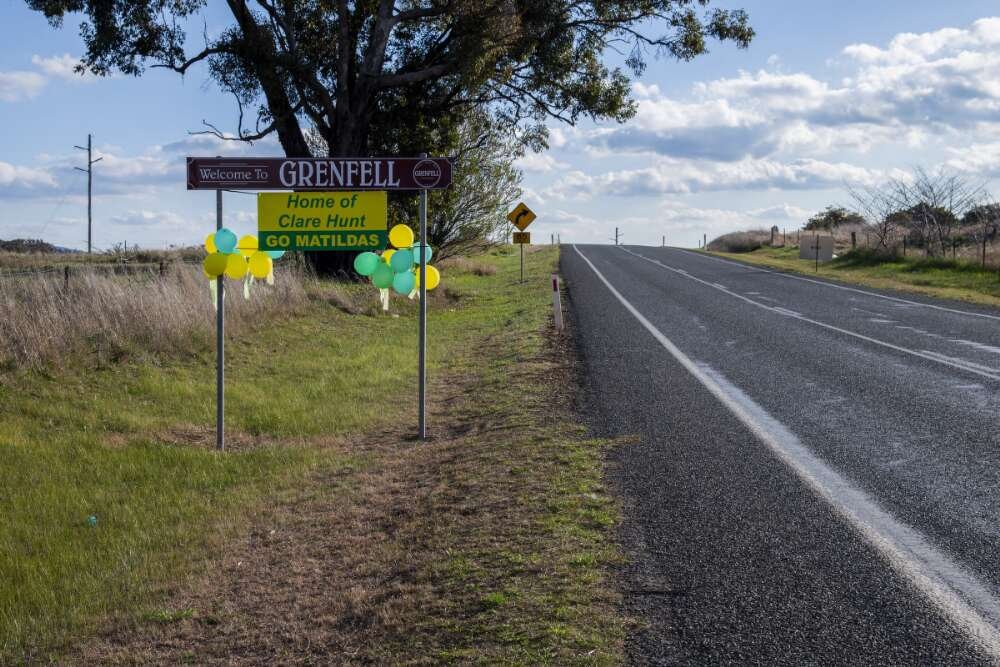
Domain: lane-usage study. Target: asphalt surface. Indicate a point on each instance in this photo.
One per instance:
(742, 554)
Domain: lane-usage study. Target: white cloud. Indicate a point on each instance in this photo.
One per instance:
(673, 176)
(60, 67)
(18, 86)
(982, 159)
(918, 87)
(539, 162)
(16, 180)
(162, 220)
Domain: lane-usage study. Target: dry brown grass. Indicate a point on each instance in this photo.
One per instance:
(464, 265)
(45, 321)
(15, 261)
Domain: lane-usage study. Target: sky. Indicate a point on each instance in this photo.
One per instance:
(832, 94)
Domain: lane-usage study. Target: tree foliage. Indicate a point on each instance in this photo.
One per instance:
(354, 68)
(832, 218)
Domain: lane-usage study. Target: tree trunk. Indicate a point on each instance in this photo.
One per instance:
(351, 131)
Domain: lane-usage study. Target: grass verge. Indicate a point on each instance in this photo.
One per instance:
(946, 279)
(327, 535)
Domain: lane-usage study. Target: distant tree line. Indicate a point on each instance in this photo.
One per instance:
(931, 210)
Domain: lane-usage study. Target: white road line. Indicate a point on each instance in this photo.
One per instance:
(946, 361)
(756, 269)
(956, 592)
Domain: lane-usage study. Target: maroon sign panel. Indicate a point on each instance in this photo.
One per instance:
(269, 173)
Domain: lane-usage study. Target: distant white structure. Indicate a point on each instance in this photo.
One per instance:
(810, 245)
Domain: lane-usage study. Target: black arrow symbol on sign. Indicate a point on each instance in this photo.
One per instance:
(520, 214)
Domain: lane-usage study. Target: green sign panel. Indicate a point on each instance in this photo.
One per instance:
(322, 221)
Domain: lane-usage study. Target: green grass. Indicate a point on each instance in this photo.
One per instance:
(943, 278)
(127, 444)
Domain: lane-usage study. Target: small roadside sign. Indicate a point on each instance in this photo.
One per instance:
(522, 238)
(332, 221)
(521, 217)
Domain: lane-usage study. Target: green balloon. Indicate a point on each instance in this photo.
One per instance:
(428, 253)
(365, 263)
(403, 283)
(402, 260)
(382, 276)
(225, 241)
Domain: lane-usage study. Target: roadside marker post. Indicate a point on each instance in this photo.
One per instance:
(557, 318)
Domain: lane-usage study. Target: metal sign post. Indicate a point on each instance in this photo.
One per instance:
(220, 343)
(522, 239)
(422, 354)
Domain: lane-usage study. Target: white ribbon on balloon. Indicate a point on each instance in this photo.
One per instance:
(213, 287)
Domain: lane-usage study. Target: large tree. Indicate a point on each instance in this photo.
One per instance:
(376, 76)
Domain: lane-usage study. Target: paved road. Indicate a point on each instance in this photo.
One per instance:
(811, 473)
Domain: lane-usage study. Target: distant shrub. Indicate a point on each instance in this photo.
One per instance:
(832, 218)
(26, 246)
(741, 241)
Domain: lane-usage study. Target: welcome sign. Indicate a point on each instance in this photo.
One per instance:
(325, 174)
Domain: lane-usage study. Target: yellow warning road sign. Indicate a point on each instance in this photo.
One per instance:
(521, 217)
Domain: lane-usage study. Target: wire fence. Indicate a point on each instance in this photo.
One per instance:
(70, 272)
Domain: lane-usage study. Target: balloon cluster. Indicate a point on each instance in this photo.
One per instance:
(398, 267)
(238, 259)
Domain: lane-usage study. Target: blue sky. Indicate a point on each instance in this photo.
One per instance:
(831, 94)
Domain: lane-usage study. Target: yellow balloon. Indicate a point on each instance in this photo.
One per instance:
(236, 266)
(387, 255)
(433, 277)
(247, 245)
(210, 243)
(260, 265)
(401, 236)
(215, 264)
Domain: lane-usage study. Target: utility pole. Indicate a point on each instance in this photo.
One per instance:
(90, 188)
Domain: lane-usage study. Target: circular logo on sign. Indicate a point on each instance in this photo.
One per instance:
(426, 173)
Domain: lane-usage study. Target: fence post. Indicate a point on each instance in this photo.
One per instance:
(904, 246)
(66, 275)
(162, 269)
(854, 240)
